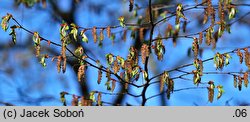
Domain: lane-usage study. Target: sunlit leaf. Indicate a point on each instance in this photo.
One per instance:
(5, 21)
(122, 21)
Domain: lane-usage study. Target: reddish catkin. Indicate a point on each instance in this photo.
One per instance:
(113, 85)
(108, 31)
(99, 99)
(162, 78)
(124, 36)
(144, 52)
(116, 66)
(74, 101)
(141, 35)
(240, 54)
(201, 66)
(239, 83)
(247, 58)
(245, 79)
(58, 63)
(63, 53)
(195, 47)
(99, 79)
(81, 72)
(200, 38)
(235, 81)
(101, 35)
(94, 34)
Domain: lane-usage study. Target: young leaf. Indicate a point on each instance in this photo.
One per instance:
(84, 37)
(79, 51)
(42, 60)
(13, 33)
(37, 39)
(92, 96)
(220, 91)
(62, 97)
(107, 84)
(74, 31)
(5, 21)
(122, 21)
(109, 58)
(63, 30)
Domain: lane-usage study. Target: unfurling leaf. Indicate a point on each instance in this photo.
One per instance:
(62, 97)
(92, 96)
(245, 78)
(109, 58)
(196, 77)
(220, 91)
(211, 91)
(74, 31)
(5, 21)
(121, 61)
(122, 21)
(84, 37)
(113, 85)
(13, 33)
(144, 52)
(159, 48)
(37, 39)
(42, 60)
(227, 58)
(63, 30)
(232, 13)
(99, 99)
(145, 75)
(79, 51)
(164, 79)
(107, 84)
